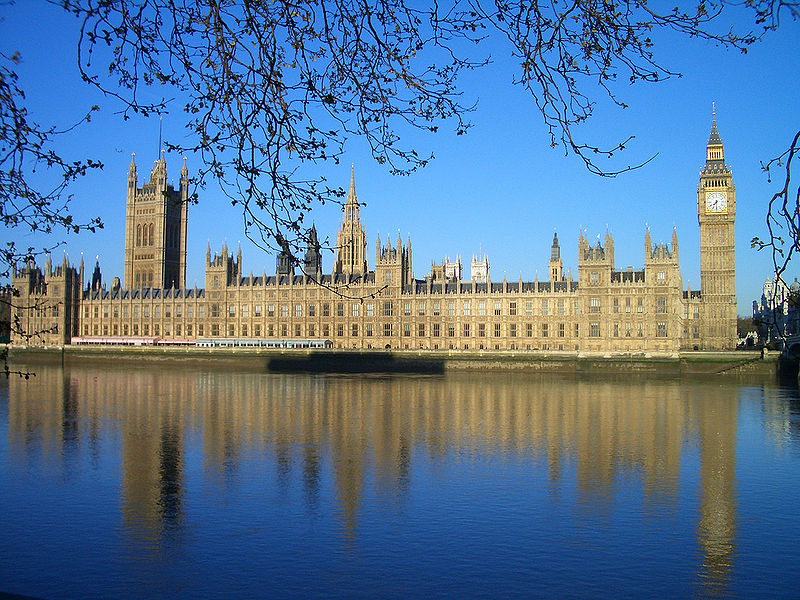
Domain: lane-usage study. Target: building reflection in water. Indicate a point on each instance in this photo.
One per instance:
(365, 431)
(715, 418)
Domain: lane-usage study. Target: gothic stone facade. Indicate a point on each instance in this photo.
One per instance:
(604, 310)
(44, 304)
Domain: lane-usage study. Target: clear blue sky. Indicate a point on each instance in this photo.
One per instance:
(500, 188)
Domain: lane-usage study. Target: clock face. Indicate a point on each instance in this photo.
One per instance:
(716, 202)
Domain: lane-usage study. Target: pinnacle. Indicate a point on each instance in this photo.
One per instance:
(352, 193)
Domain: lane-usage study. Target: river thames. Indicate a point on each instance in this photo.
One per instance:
(196, 483)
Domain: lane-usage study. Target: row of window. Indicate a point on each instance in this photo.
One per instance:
(38, 323)
(695, 312)
(628, 329)
(594, 277)
(143, 279)
(388, 330)
(43, 311)
(139, 310)
(145, 235)
(387, 309)
(627, 306)
(355, 309)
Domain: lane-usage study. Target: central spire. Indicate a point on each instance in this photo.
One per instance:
(351, 241)
(351, 212)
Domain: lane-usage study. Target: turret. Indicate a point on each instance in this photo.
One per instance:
(313, 259)
(595, 263)
(222, 270)
(284, 263)
(158, 176)
(675, 244)
(583, 244)
(556, 266)
(409, 275)
(609, 248)
(97, 278)
(132, 177)
(392, 265)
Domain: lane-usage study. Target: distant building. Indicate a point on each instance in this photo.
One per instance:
(452, 268)
(777, 314)
(479, 269)
(449, 270)
(604, 310)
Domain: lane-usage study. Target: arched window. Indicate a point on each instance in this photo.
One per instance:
(151, 234)
(139, 235)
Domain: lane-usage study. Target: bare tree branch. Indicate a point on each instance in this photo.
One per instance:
(270, 87)
(783, 213)
(269, 90)
(25, 148)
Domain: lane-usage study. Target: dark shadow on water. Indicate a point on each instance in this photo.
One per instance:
(354, 362)
(788, 370)
(790, 393)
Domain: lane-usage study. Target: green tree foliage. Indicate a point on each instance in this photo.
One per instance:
(744, 325)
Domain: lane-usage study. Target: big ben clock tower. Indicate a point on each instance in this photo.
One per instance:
(716, 213)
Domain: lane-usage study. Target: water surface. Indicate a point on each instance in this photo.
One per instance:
(198, 483)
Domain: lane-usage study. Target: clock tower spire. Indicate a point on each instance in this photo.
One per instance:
(716, 215)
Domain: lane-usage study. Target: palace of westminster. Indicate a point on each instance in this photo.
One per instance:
(604, 310)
